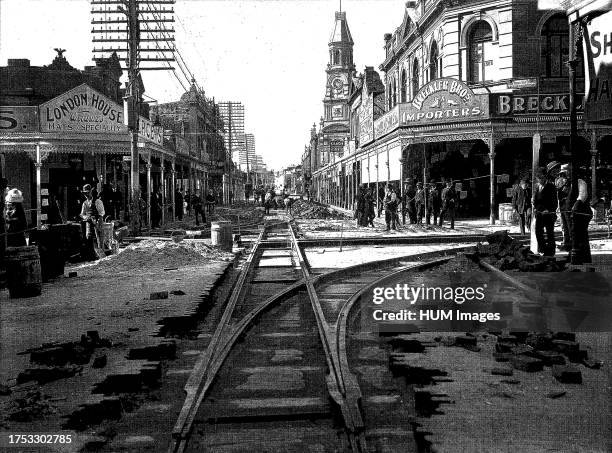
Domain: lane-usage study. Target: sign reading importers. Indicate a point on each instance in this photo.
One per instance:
(442, 101)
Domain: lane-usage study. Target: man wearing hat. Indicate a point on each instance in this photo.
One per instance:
(15, 219)
(434, 202)
(92, 212)
(563, 185)
(449, 201)
(545, 208)
(419, 202)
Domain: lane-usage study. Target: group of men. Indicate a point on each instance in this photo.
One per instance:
(554, 189)
(422, 203)
(194, 203)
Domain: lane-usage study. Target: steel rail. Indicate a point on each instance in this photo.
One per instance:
(194, 396)
(210, 362)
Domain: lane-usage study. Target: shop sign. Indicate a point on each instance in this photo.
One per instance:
(82, 110)
(443, 101)
(598, 69)
(18, 119)
(549, 104)
(148, 131)
(366, 120)
(387, 123)
(519, 84)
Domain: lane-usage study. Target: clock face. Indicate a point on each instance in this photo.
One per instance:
(337, 83)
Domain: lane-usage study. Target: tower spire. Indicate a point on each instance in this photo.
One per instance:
(340, 5)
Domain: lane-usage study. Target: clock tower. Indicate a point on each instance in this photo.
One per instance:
(340, 70)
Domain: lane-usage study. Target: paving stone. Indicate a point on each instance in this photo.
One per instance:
(502, 371)
(567, 374)
(565, 346)
(549, 357)
(592, 363)
(525, 363)
(502, 356)
(159, 295)
(99, 361)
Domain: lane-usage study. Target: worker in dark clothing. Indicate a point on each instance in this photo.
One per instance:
(449, 203)
(545, 207)
(156, 209)
(15, 219)
(563, 186)
(178, 204)
(381, 199)
(369, 206)
(521, 201)
(196, 202)
(211, 201)
(409, 205)
(419, 202)
(390, 205)
(434, 202)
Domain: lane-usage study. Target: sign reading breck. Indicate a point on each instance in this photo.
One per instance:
(444, 100)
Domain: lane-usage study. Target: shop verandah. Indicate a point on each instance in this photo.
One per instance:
(483, 159)
(51, 172)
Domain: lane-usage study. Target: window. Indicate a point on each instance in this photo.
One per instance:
(480, 52)
(336, 57)
(404, 86)
(415, 77)
(433, 61)
(554, 51)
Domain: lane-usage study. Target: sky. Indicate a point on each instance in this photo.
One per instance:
(270, 55)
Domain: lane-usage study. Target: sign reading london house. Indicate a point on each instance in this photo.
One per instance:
(444, 100)
(82, 110)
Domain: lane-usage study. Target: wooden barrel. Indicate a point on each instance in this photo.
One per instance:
(221, 235)
(23, 271)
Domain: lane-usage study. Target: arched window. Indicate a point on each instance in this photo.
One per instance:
(433, 61)
(480, 52)
(336, 57)
(554, 47)
(415, 77)
(404, 86)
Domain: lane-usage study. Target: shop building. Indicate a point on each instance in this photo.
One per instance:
(464, 98)
(61, 128)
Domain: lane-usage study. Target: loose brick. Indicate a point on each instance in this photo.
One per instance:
(592, 363)
(502, 356)
(521, 349)
(567, 374)
(525, 363)
(465, 340)
(100, 361)
(502, 371)
(555, 395)
(567, 336)
(507, 339)
(549, 357)
(578, 356)
(504, 347)
(565, 346)
(159, 295)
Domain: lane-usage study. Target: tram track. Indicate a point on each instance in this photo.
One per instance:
(267, 364)
(328, 312)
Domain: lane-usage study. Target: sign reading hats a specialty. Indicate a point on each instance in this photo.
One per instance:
(598, 69)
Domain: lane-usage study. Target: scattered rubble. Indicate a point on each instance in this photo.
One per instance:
(44, 374)
(31, 406)
(60, 354)
(153, 254)
(313, 210)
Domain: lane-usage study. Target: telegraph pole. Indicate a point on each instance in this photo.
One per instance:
(120, 22)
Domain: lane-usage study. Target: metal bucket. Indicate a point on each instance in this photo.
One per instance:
(221, 235)
(507, 215)
(23, 272)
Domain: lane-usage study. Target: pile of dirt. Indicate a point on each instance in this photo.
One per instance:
(313, 210)
(246, 213)
(157, 254)
(506, 253)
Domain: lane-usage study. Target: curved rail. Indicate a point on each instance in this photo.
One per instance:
(342, 384)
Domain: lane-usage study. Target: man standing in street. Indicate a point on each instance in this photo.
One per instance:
(434, 202)
(92, 212)
(178, 205)
(563, 186)
(545, 208)
(419, 202)
(196, 202)
(390, 205)
(449, 201)
(521, 203)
